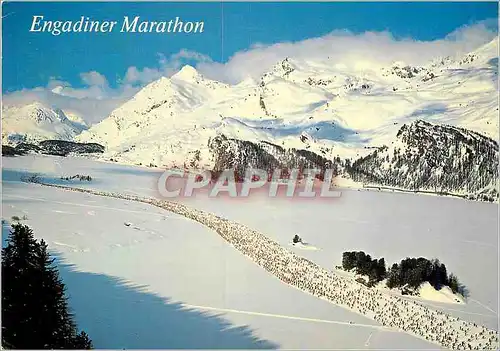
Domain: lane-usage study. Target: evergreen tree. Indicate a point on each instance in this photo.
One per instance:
(57, 324)
(453, 283)
(381, 270)
(348, 260)
(35, 311)
(393, 278)
(82, 341)
(364, 264)
(18, 296)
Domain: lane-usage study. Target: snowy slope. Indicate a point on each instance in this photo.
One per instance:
(36, 122)
(158, 121)
(77, 119)
(326, 107)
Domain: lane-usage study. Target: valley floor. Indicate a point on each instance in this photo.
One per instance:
(153, 279)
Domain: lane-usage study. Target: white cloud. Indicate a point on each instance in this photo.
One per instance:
(167, 67)
(380, 48)
(135, 75)
(94, 78)
(93, 102)
(96, 99)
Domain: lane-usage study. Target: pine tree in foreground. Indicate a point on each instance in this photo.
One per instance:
(35, 311)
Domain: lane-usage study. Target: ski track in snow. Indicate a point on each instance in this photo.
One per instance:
(64, 212)
(479, 243)
(91, 213)
(152, 235)
(367, 343)
(392, 312)
(483, 305)
(63, 244)
(316, 320)
(465, 312)
(474, 242)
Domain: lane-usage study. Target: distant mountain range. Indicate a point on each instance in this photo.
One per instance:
(432, 127)
(35, 122)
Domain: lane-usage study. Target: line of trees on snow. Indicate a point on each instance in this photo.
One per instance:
(365, 265)
(52, 147)
(410, 272)
(80, 177)
(35, 311)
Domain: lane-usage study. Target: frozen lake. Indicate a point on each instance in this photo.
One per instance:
(181, 261)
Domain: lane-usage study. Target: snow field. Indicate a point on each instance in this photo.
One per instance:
(164, 278)
(409, 316)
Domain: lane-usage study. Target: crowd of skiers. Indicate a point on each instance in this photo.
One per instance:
(389, 310)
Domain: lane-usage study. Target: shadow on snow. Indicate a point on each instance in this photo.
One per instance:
(119, 315)
(325, 130)
(429, 110)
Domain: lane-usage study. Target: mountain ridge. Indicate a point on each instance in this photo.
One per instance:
(330, 106)
(35, 122)
(322, 107)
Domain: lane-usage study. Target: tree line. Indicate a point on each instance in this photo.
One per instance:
(365, 265)
(410, 272)
(35, 310)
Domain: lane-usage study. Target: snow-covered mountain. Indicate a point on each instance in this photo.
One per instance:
(436, 158)
(301, 112)
(35, 122)
(325, 107)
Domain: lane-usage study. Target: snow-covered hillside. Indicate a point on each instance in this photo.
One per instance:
(322, 106)
(317, 113)
(35, 122)
(438, 158)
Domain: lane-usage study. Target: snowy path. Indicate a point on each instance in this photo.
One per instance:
(391, 311)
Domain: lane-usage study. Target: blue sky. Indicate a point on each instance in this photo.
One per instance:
(32, 59)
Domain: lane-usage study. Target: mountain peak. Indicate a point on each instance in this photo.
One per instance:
(284, 67)
(35, 122)
(36, 105)
(186, 72)
(247, 82)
